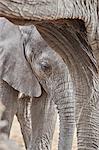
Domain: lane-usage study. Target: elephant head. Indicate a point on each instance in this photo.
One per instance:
(31, 67)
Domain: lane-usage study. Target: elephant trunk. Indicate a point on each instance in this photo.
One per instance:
(43, 122)
(65, 106)
(87, 112)
(66, 116)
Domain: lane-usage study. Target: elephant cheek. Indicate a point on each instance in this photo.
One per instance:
(65, 105)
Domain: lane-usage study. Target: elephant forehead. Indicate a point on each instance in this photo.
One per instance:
(51, 55)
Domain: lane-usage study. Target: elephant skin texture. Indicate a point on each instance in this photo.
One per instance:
(71, 28)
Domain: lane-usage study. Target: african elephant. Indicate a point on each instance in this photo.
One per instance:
(71, 28)
(16, 77)
(28, 65)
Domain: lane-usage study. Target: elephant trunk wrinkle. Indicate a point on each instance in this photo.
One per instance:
(65, 105)
(87, 117)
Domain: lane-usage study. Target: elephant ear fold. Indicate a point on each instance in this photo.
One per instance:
(14, 69)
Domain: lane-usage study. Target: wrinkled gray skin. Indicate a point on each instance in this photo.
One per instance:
(71, 28)
(28, 65)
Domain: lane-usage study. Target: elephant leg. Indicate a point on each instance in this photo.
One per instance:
(87, 114)
(43, 123)
(8, 96)
(24, 118)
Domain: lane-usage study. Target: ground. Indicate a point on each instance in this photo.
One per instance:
(16, 136)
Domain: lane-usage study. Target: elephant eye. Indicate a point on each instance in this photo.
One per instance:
(46, 67)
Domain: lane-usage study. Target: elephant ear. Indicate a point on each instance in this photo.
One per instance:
(14, 69)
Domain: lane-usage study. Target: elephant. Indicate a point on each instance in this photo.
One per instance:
(17, 94)
(71, 28)
(33, 72)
